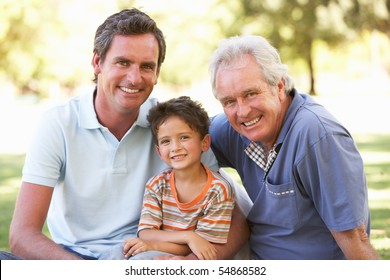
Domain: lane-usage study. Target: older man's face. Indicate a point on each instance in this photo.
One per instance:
(253, 108)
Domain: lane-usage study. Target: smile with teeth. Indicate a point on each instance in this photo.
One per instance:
(128, 90)
(252, 122)
(177, 157)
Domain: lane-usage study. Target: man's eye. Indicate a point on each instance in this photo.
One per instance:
(227, 103)
(148, 66)
(251, 94)
(123, 63)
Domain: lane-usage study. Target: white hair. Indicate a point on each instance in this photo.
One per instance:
(266, 56)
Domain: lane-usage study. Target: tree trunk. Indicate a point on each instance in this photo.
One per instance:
(311, 69)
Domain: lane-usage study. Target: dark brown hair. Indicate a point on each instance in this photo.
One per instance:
(191, 112)
(127, 22)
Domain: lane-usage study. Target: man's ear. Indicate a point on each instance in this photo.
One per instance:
(96, 63)
(281, 89)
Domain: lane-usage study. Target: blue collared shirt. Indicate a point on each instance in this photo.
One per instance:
(316, 183)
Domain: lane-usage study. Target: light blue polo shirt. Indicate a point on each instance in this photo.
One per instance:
(316, 183)
(98, 181)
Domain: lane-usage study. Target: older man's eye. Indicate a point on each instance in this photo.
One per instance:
(228, 102)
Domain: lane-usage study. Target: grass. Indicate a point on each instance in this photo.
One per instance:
(375, 149)
(10, 170)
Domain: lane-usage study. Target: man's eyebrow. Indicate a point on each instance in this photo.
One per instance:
(147, 63)
(251, 90)
(150, 63)
(223, 99)
(242, 93)
(121, 58)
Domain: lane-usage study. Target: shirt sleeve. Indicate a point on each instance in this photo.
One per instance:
(45, 158)
(151, 215)
(218, 131)
(214, 225)
(333, 176)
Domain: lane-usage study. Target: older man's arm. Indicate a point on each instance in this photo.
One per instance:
(238, 236)
(355, 244)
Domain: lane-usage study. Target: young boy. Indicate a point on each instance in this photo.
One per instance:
(188, 207)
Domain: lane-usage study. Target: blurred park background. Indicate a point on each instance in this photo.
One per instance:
(336, 50)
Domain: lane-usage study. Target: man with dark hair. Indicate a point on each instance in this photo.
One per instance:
(90, 158)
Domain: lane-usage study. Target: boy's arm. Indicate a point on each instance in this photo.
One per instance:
(134, 246)
(239, 229)
(200, 247)
(238, 236)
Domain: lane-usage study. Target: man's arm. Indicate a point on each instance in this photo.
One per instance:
(239, 230)
(238, 236)
(26, 237)
(355, 244)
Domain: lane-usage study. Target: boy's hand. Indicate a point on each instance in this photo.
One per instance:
(203, 249)
(134, 246)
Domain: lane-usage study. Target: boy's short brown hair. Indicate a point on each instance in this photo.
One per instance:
(190, 111)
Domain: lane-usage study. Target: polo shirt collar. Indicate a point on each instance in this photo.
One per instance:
(87, 115)
(144, 111)
(88, 118)
(296, 104)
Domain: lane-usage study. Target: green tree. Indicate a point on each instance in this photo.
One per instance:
(367, 15)
(22, 57)
(46, 45)
(292, 26)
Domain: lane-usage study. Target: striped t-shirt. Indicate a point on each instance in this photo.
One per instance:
(208, 214)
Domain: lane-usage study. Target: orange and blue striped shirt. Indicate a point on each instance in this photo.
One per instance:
(208, 214)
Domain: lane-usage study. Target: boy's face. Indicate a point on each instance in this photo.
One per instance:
(179, 146)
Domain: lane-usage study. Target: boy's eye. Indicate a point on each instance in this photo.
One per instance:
(164, 142)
